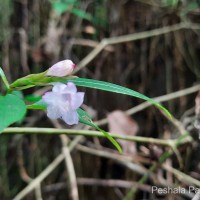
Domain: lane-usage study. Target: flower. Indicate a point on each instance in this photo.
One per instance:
(63, 102)
(62, 68)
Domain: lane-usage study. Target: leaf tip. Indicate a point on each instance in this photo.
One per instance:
(165, 110)
(120, 150)
(168, 113)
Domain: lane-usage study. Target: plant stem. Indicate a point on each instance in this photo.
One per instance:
(4, 79)
(18, 130)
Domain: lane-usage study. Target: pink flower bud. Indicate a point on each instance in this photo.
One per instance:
(62, 68)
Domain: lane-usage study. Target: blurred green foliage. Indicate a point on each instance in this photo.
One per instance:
(74, 7)
(185, 5)
(171, 3)
(61, 6)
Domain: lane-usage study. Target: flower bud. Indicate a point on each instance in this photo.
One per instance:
(62, 68)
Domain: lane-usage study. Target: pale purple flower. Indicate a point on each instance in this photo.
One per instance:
(62, 68)
(63, 102)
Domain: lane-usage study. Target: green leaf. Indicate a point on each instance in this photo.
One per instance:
(40, 105)
(82, 14)
(12, 109)
(18, 93)
(192, 6)
(32, 98)
(171, 3)
(85, 119)
(110, 87)
(60, 7)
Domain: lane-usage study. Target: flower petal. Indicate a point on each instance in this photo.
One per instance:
(50, 98)
(77, 100)
(70, 117)
(63, 102)
(70, 88)
(59, 87)
(53, 112)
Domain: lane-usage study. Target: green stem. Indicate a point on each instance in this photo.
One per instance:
(19, 130)
(4, 79)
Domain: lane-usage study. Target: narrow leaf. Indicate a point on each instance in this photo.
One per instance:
(85, 119)
(40, 105)
(32, 98)
(110, 87)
